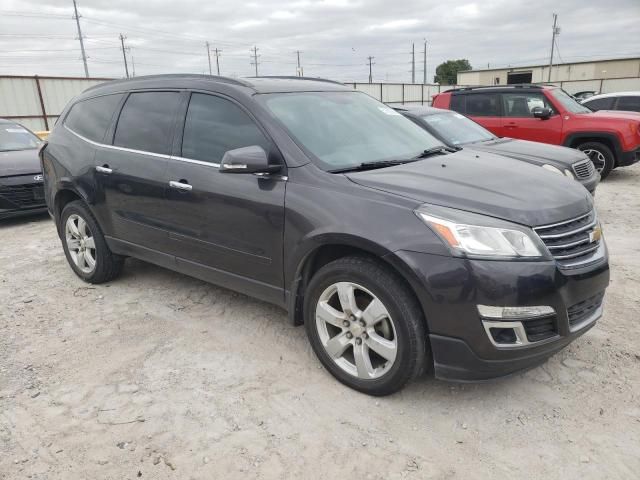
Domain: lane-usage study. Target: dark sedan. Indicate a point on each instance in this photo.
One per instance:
(21, 186)
(456, 130)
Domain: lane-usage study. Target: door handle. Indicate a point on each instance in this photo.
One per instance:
(181, 185)
(104, 169)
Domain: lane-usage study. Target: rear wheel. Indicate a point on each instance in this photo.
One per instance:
(85, 247)
(365, 326)
(601, 156)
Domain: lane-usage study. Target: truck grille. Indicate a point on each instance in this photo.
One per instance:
(540, 328)
(583, 169)
(582, 310)
(28, 195)
(572, 240)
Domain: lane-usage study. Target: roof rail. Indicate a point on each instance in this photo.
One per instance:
(292, 77)
(511, 85)
(232, 81)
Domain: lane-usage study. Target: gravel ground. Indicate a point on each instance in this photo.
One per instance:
(158, 375)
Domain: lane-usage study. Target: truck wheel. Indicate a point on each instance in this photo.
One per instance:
(601, 156)
(85, 247)
(365, 326)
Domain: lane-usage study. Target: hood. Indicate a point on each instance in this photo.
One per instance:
(617, 114)
(531, 152)
(19, 162)
(486, 184)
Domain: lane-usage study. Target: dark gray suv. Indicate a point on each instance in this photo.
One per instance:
(396, 252)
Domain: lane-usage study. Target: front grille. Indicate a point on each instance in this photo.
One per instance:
(573, 240)
(583, 169)
(580, 311)
(28, 195)
(540, 328)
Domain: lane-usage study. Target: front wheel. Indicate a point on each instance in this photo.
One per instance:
(365, 326)
(601, 156)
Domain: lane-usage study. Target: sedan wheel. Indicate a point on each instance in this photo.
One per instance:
(356, 330)
(80, 242)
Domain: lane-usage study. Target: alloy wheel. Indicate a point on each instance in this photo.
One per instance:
(597, 158)
(356, 330)
(80, 242)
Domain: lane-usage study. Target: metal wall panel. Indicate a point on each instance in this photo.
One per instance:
(391, 92)
(18, 96)
(413, 93)
(57, 92)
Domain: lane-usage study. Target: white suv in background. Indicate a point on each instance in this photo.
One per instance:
(627, 101)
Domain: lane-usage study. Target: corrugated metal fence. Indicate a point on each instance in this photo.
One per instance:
(401, 93)
(36, 102)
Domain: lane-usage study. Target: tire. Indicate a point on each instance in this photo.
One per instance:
(88, 239)
(394, 325)
(602, 157)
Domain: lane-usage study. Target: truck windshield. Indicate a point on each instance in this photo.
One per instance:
(568, 101)
(16, 137)
(344, 129)
(457, 129)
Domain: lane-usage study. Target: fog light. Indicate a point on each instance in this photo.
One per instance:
(509, 313)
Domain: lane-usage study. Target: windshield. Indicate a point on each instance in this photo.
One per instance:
(568, 101)
(16, 137)
(457, 129)
(344, 129)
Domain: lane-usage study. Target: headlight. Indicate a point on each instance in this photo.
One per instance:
(568, 173)
(470, 234)
(551, 168)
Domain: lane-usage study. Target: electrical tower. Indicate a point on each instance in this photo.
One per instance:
(208, 56)
(124, 55)
(217, 52)
(84, 55)
(370, 71)
(299, 71)
(413, 63)
(424, 64)
(255, 58)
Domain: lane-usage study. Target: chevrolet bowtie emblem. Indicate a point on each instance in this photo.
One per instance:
(595, 234)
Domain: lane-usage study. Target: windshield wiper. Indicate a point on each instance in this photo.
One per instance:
(441, 150)
(372, 165)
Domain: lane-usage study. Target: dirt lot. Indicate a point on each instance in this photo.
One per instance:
(158, 375)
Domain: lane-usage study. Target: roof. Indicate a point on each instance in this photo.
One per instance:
(518, 67)
(420, 110)
(615, 94)
(499, 88)
(253, 85)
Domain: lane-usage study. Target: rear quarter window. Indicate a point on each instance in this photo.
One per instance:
(600, 103)
(457, 103)
(629, 103)
(91, 118)
(483, 104)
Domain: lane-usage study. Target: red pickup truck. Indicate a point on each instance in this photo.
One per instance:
(548, 114)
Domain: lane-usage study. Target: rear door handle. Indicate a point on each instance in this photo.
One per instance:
(181, 185)
(104, 169)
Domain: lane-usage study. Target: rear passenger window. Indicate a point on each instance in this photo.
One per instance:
(457, 103)
(215, 125)
(631, 104)
(91, 118)
(146, 122)
(600, 104)
(483, 104)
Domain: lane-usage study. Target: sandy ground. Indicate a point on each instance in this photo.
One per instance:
(161, 376)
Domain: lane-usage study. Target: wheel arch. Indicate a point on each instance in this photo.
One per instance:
(345, 245)
(609, 139)
(66, 193)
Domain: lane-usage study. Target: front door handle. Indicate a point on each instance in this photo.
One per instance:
(181, 185)
(104, 169)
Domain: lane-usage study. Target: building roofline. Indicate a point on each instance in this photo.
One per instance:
(517, 67)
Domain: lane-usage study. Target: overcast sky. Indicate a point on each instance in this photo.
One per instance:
(335, 37)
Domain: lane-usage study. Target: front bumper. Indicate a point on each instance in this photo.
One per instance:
(450, 289)
(21, 195)
(628, 158)
(591, 183)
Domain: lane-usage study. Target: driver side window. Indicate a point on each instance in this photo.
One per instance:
(521, 104)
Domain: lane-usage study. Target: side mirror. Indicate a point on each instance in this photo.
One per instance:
(251, 159)
(542, 113)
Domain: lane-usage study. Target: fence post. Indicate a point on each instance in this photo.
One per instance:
(422, 94)
(381, 91)
(403, 93)
(44, 111)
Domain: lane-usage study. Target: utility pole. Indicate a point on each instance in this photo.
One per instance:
(124, 55)
(413, 63)
(218, 52)
(424, 63)
(299, 71)
(209, 56)
(84, 55)
(255, 58)
(133, 67)
(370, 72)
(556, 31)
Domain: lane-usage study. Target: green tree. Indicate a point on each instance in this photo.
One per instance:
(447, 72)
